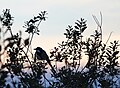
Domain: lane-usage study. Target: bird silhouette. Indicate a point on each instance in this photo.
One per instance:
(40, 54)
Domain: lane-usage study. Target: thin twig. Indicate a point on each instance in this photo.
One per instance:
(28, 61)
(32, 36)
(101, 25)
(47, 79)
(109, 38)
(98, 24)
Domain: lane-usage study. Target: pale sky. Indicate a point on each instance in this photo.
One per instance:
(62, 13)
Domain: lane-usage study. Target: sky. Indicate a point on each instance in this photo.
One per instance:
(62, 13)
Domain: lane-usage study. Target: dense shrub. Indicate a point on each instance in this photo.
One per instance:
(18, 64)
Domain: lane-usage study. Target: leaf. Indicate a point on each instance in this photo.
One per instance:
(109, 51)
(67, 30)
(115, 53)
(0, 47)
(51, 55)
(59, 55)
(31, 20)
(26, 42)
(8, 39)
(78, 24)
(76, 27)
(19, 41)
(82, 19)
(108, 54)
(82, 30)
(9, 45)
(65, 33)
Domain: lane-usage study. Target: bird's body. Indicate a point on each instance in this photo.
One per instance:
(40, 54)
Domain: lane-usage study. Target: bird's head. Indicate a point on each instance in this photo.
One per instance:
(39, 49)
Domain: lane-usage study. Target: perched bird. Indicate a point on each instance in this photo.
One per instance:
(40, 54)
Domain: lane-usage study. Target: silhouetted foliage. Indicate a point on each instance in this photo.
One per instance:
(18, 63)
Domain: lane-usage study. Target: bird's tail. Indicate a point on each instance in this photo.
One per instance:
(53, 70)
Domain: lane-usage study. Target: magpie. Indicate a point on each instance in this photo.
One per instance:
(40, 54)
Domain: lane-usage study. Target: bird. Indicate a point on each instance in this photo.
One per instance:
(40, 54)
